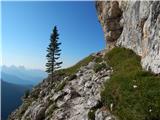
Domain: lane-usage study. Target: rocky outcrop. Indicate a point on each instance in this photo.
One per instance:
(68, 97)
(134, 25)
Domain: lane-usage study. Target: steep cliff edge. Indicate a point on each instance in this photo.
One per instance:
(134, 25)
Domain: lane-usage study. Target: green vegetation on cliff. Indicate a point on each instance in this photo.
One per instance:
(72, 70)
(131, 93)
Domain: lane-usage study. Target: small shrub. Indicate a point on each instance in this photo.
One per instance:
(35, 94)
(91, 114)
(99, 66)
(98, 59)
(26, 94)
(99, 105)
(72, 77)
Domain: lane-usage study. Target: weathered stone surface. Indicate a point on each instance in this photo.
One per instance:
(57, 95)
(109, 14)
(92, 102)
(91, 65)
(103, 114)
(134, 25)
(60, 103)
(38, 113)
(72, 102)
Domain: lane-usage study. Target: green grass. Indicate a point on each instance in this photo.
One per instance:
(72, 70)
(131, 103)
(99, 66)
(98, 59)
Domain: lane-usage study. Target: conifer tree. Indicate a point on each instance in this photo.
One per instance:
(53, 53)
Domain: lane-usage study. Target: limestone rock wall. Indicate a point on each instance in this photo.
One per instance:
(134, 25)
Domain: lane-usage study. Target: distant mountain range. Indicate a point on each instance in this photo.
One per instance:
(11, 97)
(21, 75)
(14, 82)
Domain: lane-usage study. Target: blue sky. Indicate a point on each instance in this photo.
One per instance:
(26, 29)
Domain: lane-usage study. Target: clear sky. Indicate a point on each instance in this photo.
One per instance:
(26, 29)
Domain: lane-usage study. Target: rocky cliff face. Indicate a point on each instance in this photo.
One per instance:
(134, 25)
(67, 97)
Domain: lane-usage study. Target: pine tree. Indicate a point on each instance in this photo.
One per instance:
(53, 53)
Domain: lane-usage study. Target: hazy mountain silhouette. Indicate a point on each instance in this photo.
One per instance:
(11, 97)
(15, 80)
(21, 75)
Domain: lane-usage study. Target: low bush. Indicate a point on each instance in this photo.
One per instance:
(35, 93)
(26, 94)
(71, 77)
(91, 113)
(99, 66)
(98, 59)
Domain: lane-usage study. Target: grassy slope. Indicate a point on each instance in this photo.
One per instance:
(129, 103)
(72, 70)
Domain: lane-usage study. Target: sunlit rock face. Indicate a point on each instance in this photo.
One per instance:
(134, 25)
(72, 101)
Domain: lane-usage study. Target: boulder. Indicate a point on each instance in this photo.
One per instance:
(92, 102)
(60, 103)
(38, 113)
(57, 95)
(91, 65)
